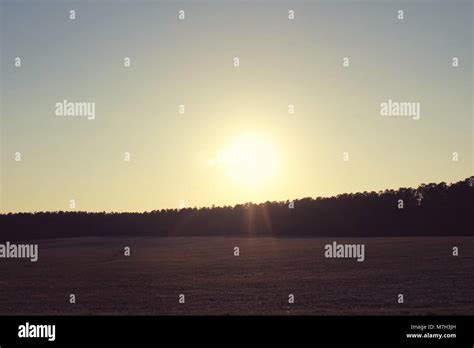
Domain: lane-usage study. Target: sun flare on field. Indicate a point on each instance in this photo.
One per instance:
(249, 160)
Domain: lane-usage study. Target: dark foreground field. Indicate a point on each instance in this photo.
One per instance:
(257, 282)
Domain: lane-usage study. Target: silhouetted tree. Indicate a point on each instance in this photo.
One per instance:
(431, 209)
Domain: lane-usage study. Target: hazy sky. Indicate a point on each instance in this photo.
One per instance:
(229, 111)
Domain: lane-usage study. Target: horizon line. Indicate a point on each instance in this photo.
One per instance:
(471, 178)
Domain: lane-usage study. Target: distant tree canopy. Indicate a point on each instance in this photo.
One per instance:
(429, 210)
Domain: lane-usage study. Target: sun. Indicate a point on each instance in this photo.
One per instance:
(248, 160)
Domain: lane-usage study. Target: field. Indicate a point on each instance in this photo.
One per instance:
(258, 282)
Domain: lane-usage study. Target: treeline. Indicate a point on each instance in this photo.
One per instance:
(431, 209)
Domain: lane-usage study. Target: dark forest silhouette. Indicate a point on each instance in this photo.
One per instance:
(430, 210)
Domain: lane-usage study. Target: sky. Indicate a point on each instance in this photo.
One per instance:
(236, 141)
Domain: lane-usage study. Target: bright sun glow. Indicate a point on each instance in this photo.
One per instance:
(249, 160)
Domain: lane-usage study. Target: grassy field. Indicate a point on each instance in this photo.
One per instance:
(215, 282)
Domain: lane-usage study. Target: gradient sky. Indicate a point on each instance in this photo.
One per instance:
(190, 62)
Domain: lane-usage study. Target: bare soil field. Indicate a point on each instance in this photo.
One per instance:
(258, 282)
